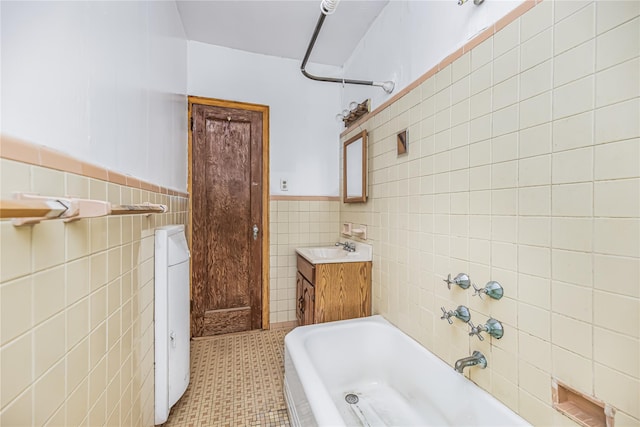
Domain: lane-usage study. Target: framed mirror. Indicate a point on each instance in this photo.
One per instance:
(354, 170)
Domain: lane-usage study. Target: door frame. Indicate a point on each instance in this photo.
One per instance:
(264, 109)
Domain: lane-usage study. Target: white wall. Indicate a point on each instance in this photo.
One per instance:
(409, 37)
(304, 143)
(104, 82)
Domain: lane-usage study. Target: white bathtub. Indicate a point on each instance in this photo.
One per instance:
(397, 381)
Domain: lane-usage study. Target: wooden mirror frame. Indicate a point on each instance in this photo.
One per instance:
(362, 136)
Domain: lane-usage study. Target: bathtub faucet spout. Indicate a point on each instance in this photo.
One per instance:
(476, 358)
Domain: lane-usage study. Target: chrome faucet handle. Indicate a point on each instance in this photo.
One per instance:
(461, 280)
(493, 327)
(446, 315)
(462, 313)
(475, 330)
(492, 289)
(448, 281)
(477, 291)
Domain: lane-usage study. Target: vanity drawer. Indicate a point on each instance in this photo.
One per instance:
(307, 269)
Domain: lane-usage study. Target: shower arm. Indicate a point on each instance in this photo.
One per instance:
(387, 86)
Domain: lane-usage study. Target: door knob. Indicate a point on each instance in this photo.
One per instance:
(255, 231)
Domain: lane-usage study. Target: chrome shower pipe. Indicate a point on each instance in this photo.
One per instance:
(387, 86)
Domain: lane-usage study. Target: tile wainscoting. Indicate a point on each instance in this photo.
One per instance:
(76, 299)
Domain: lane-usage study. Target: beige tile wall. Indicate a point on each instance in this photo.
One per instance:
(295, 223)
(523, 167)
(76, 306)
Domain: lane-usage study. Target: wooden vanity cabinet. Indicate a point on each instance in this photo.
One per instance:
(332, 291)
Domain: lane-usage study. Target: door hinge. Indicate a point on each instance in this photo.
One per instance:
(193, 125)
(191, 305)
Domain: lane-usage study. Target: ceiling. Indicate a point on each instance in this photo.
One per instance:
(280, 28)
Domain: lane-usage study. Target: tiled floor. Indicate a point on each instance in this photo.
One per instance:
(236, 380)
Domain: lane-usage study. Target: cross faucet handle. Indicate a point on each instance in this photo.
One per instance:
(475, 330)
(446, 315)
(478, 291)
(448, 281)
(493, 327)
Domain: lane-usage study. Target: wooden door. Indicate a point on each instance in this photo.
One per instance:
(227, 219)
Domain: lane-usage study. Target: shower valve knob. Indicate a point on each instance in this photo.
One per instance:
(461, 312)
(475, 330)
(493, 327)
(492, 289)
(446, 315)
(461, 280)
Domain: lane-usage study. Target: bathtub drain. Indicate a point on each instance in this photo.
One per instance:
(351, 399)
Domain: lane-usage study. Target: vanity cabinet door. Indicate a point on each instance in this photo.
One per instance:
(299, 298)
(308, 294)
(305, 301)
(343, 291)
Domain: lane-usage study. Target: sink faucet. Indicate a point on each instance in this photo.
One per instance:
(348, 246)
(476, 358)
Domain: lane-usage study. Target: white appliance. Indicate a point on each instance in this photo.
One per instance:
(172, 333)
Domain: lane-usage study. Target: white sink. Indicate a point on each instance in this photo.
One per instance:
(335, 254)
(328, 252)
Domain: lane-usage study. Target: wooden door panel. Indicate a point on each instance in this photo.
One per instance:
(227, 175)
(226, 321)
(227, 201)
